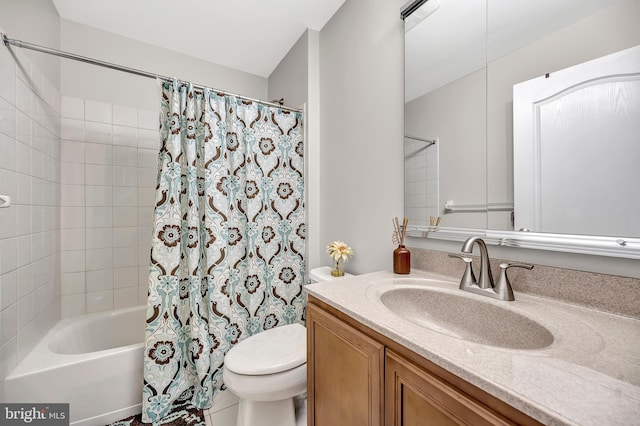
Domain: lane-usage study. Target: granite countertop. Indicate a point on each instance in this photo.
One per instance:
(589, 375)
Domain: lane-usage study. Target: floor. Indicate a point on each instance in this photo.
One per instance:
(223, 411)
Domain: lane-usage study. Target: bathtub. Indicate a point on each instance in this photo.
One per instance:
(93, 362)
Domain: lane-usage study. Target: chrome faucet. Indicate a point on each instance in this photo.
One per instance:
(485, 286)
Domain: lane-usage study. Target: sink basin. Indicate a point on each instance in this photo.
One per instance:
(467, 318)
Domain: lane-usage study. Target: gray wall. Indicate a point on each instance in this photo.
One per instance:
(361, 119)
(35, 21)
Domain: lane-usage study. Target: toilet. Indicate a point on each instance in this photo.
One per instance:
(268, 372)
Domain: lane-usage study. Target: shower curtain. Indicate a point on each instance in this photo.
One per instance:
(227, 257)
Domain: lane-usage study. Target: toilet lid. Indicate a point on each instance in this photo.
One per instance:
(272, 351)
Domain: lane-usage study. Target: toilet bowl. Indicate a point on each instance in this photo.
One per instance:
(268, 372)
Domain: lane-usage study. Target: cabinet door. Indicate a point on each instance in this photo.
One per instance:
(417, 398)
(345, 373)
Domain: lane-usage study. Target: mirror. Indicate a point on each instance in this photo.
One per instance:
(466, 104)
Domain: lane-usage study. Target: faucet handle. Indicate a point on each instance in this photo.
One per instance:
(468, 278)
(503, 286)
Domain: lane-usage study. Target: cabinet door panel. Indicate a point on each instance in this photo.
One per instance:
(346, 369)
(415, 397)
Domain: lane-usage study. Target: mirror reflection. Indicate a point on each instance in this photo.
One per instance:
(467, 105)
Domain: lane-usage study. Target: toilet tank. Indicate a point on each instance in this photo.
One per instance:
(323, 273)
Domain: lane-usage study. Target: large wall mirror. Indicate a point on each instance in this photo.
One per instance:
(498, 137)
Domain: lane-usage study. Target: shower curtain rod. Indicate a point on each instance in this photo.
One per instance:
(428, 141)
(25, 45)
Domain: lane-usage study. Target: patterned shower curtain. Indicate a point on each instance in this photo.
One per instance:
(227, 257)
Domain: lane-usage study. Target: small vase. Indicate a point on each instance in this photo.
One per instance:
(337, 271)
(401, 260)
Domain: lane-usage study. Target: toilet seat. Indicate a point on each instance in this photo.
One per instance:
(273, 351)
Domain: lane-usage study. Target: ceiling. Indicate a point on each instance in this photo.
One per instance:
(247, 35)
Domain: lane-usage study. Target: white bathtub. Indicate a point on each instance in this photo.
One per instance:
(93, 362)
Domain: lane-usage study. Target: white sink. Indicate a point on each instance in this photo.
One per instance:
(467, 317)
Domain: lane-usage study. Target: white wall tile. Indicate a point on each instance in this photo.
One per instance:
(125, 136)
(23, 128)
(8, 358)
(73, 283)
(98, 132)
(124, 196)
(9, 222)
(7, 119)
(72, 174)
(125, 176)
(125, 257)
(147, 178)
(72, 305)
(24, 280)
(99, 196)
(125, 277)
(99, 280)
(125, 297)
(98, 238)
(23, 254)
(8, 152)
(99, 217)
(149, 139)
(23, 158)
(99, 301)
(8, 323)
(25, 311)
(72, 129)
(73, 239)
(9, 259)
(72, 261)
(98, 154)
(72, 108)
(72, 151)
(98, 111)
(148, 158)
(125, 216)
(72, 217)
(72, 195)
(125, 237)
(99, 259)
(125, 116)
(96, 174)
(148, 119)
(146, 197)
(23, 218)
(125, 156)
(8, 289)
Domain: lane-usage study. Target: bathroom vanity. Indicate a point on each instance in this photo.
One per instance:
(369, 364)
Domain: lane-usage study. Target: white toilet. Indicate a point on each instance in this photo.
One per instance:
(268, 373)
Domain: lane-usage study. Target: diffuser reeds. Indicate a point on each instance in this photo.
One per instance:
(399, 231)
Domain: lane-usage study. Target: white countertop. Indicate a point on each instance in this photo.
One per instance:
(589, 375)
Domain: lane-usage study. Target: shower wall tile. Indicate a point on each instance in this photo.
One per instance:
(30, 240)
(72, 108)
(98, 132)
(125, 297)
(99, 301)
(97, 111)
(108, 190)
(72, 151)
(148, 120)
(126, 156)
(125, 116)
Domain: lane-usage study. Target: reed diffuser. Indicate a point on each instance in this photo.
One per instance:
(401, 256)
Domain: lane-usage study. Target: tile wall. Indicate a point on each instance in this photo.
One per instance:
(109, 167)
(420, 181)
(29, 228)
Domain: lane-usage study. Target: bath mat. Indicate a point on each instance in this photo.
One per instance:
(182, 414)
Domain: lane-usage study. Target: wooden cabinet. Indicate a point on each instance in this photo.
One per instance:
(346, 368)
(357, 376)
(413, 396)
